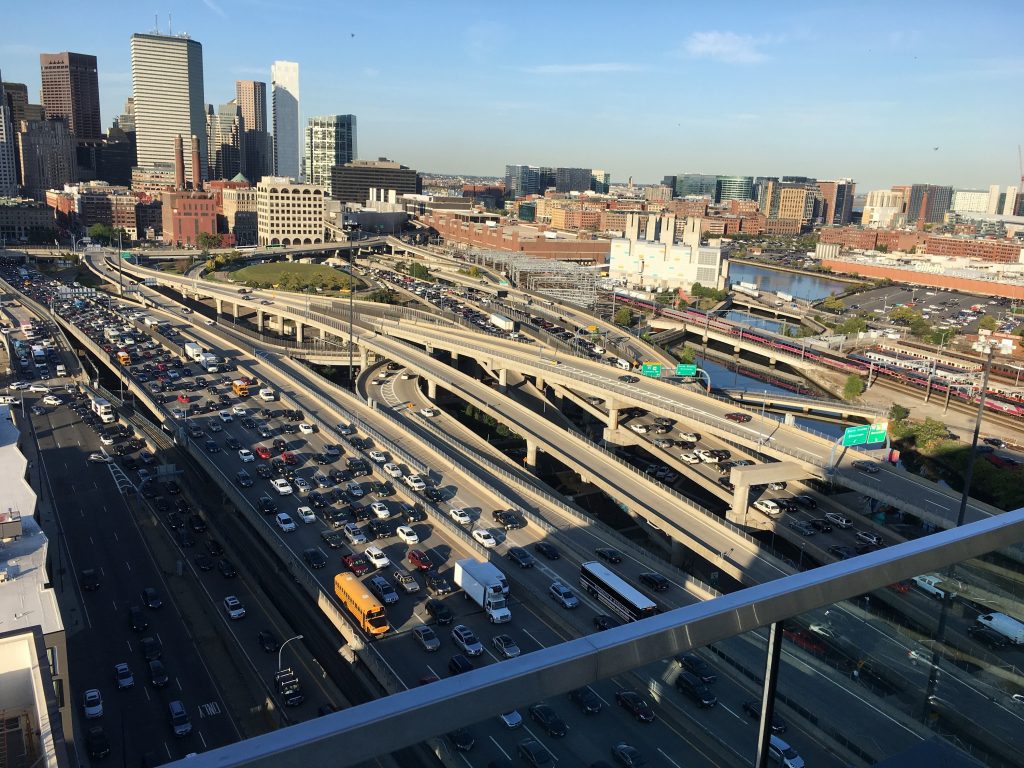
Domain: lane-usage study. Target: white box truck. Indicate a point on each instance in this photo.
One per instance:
(267, 395)
(1006, 626)
(480, 585)
(193, 350)
(209, 362)
(504, 323)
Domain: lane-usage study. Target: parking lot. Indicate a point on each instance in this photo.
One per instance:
(943, 309)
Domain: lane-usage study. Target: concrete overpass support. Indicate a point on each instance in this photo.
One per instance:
(219, 303)
(737, 513)
(540, 383)
(613, 418)
(259, 319)
(531, 453)
(431, 389)
(502, 379)
(364, 358)
(298, 332)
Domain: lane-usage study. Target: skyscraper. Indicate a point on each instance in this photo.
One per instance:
(734, 188)
(522, 180)
(46, 156)
(695, 184)
(928, 203)
(17, 100)
(572, 179)
(224, 131)
(284, 85)
(330, 141)
(71, 90)
(257, 151)
(837, 201)
(167, 89)
(8, 171)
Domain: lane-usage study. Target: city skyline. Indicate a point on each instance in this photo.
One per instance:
(908, 99)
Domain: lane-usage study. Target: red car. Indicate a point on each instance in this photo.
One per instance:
(289, 459)
(420, 559)
(262, 451)
(739, 418)
(183, 399)
(356, 563)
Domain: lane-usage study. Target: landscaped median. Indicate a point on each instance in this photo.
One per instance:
(292, 276)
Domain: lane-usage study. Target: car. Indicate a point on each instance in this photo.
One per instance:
(521, 557)
(868, 467)
(100, 458)
(96, 742)
(302, 485)
(306, 428)
(437, 610)
(546, 717)
(377, 557)
(429, 412)
(89, 579)
(506, 646)
(354, 491)
(842, 551)
(609, 554)
(42, 388)
(752, 707)
(282, 486)
(511, 719)
(562, 595)
(262, 451)
(655, 581)
(838, 520)
(780, 752)
(460, 516)
(377, 457)
(151, 598)
(804, 529)
(380, 510)
(696, 665)
(233, 607)
(426, 637)
(306, 514)
(385, 591)
(534, 753)
(550, 551)
(267, 641)
(739, 418)
(821, 525)
(805, 501)
(415, 482)
(484, 538)
(640, 429)
(204, 563)
(356, 563)
(466, 639)
(407, 534)
(180, 722)
(136, 619)
(458, 664)
(52, 400)
(284, 522)
(995, 442)
(587, 700)
(239, 410)
(986, 636)
(123, 676)
(232, 444)
(393, 470)
(870, 537)
(92, 703)
(627, 379)
(158, 676)
(314, 558)
(603, 621)
(635, 704)
(420, 560)
(689, 458)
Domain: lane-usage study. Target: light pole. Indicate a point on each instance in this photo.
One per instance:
(281, 649)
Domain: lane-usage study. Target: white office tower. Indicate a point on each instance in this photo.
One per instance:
(8, 172)
(329, 141)
(167, 88)
(284, 84)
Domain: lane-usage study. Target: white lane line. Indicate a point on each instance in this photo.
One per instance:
(538, 642)
(668, 758)
(500, 747)
(202, 740)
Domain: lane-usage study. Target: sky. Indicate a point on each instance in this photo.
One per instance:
(882, 92)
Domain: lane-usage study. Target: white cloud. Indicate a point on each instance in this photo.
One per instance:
(215, 8)
(727, 47)
(581, 69)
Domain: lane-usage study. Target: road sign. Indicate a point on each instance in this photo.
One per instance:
(865, 434)
(686, 369)
(651, 369)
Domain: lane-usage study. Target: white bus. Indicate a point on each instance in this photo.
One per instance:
(624, 600)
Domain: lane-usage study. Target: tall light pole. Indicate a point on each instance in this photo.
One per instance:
(281, 649)
(351, 312)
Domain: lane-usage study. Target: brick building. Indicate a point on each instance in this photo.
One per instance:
(186, 215)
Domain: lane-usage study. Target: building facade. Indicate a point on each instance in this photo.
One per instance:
(284, 85)
(928, 203)
(8, 164)
(601, 181)
(70, 89)
(649, 257)
(351, 182)
(46, 156)
(573, 179)
(522, 180)
(21, 219)
(224, 131)
(966, 201)
(240, 215)
(186, 215)
(734, 188)
(257, 146)
(288, 213)
(696, 184)
(837, 201)
(167, 93)
(329, 141)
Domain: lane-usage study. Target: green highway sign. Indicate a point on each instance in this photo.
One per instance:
(651, 369)
(684, 369)
(865, 434)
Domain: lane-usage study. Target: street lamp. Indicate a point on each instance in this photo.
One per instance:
(281, 649)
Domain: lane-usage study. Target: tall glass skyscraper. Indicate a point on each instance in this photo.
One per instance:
(734, 188)
(330, 141)
(284, 86)
(8, 171)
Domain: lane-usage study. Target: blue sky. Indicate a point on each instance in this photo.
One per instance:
(865, 89)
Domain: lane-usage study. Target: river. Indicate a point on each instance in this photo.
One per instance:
(803, 286)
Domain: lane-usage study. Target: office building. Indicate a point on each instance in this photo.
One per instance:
(968, 201)
(601, 181)
(240, 215)
(883, 208)
(70, 89)
(17, 100)
(1010, 202)
(186, 215)
(734, 188)
(928, 203)
(224, 131)
(670, 182)
(126, 120)
(650, 258)
(167, 93)
(789, 207)
(837, 201)
(46, 156)
(257, 147)
(8, 165)
(352, 182)
(522, 180)
(284, 86)
(329, 141)
(658, 193)
(572, 179)
(696, 184)
(288, 213)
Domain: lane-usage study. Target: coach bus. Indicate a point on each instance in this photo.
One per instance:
(623, 599)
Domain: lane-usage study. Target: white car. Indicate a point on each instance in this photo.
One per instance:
(377, 457)
(429, 412)
(377, 557)
(39, 388)
(100, 458)
(484, 538)
(106, 440)
(25, 385)
(380, 509)
(303, 485)
(690, 437)
(246, 455)
(52, 400)
(407, 534)
(415, 482)
(234, 607)
(689, 458)
(306, 514)
(393, 470)
(226, 417)
(406, 376)
(640, 429)
(459, 516)
(207, 321)
(285, 522)
(344, 429)
(306, 429)
(92, 702)
(239, 410)
(282, 486)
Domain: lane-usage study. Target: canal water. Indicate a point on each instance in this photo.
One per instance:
(756, 321)
(810, 287)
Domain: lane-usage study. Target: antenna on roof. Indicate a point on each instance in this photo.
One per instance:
(169, 31)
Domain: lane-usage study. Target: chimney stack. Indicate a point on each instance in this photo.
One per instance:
(197, 180)
(179, 164)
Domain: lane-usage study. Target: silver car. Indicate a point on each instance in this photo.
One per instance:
(426, 637)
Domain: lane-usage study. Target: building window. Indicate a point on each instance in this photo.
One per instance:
(53, 658)
(58, 692)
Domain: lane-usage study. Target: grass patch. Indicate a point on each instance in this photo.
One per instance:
(292, 276)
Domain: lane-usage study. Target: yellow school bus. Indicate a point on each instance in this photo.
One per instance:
(360, 603)
(240, 388)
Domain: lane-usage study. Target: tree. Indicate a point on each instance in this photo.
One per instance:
(852, 325)
(687, 355)
(1019, 330)
(101, 232)
(853, 388)
(898, 413)
(473, 271)
(207, 241)
(623, 316)
(902, 314)
(988, 323)
(833, 304)
(664, 299)
(419, 271)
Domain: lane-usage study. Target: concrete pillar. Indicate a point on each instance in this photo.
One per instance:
(679, 554)
(613, 418)
(736, 350)
(540, 383)
(531, 453)
(737, 513)
(298, 332)
(771, 361)
(220, 306)
(502, 379)
(789, 419)
(259, 320)
(431, 389)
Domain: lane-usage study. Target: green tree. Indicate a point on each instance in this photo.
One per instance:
(898, 413)
(988, 323)
(473, 271)
(687, 355)
(902, 314)
(419, 271)
(853, 388)
(1019, 330)
(207, 241)
(833, 304)
(852, 325)
(101, 232)
(623, 316)
(664, 299)
(383, 296)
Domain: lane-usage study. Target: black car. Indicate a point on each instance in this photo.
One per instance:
(462, 739)
(587, 700)
(726, 483)
(232, 444)
(986, 636)
(314, 558)
(226, 568)
(655, 581)
(603, 621)
(693, 663)
(753, 708)
(458, 664)
(550, 551)
(151, 598)
(97, 743)
(267, 641)
(414, 513)
(204, 562)
(508, 519)
(432, 493)
(821, 524)
(137, 619)
(264, 471)
(520, 557)
(89, 579)
(805, 501)
(842, 551)
(196, 523)
(214, 547)
(609, 554)
(438, 611)
(548, 719)
(634, 703)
